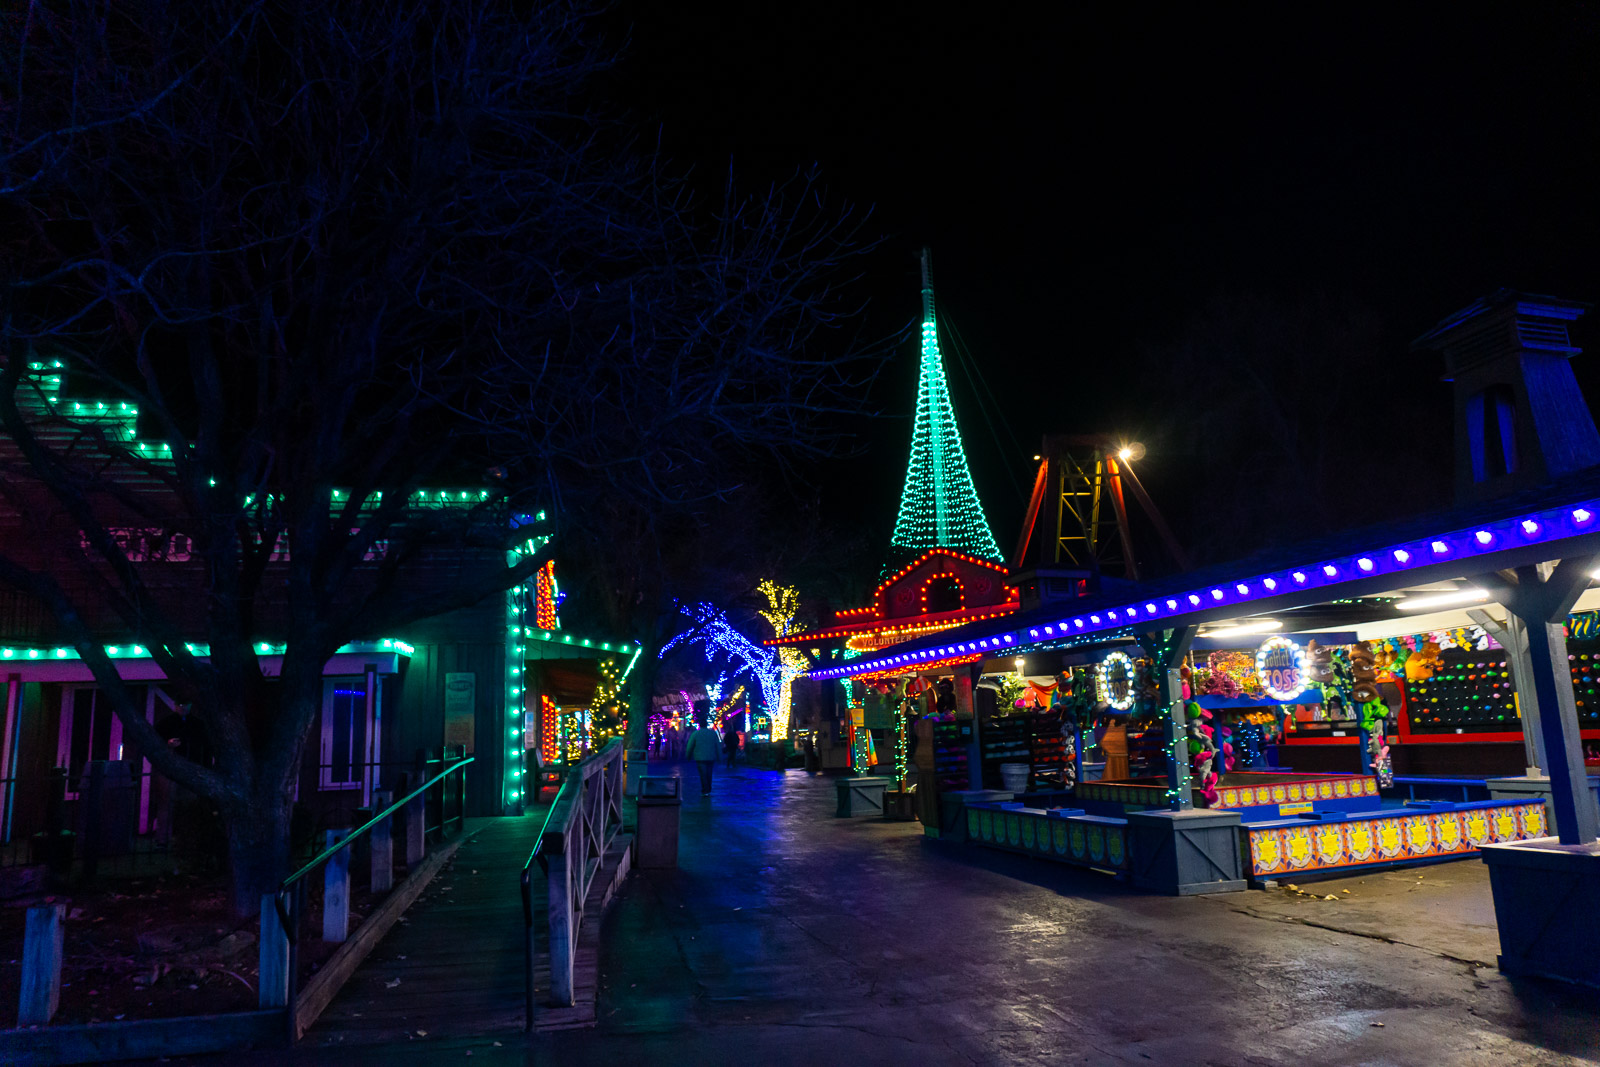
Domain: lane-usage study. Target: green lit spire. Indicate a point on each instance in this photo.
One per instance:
(939, 506)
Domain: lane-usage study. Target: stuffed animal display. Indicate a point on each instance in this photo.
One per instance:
(1363, 673)
(1421, 664)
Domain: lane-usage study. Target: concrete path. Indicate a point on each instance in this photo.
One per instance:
(789, 937)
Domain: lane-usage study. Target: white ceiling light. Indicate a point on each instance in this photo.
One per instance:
(1255, 626)
(1441, 600)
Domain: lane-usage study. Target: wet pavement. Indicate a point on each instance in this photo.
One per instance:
(787, 936)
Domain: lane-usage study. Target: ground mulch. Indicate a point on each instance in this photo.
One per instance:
(156, 947)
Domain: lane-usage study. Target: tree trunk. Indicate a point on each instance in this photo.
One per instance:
(641, 687)
(258, 848)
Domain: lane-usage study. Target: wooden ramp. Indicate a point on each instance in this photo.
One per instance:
(454, 965)
(586, 965)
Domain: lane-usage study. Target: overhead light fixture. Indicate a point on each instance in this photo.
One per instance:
(1442, 600)
(1255, 626)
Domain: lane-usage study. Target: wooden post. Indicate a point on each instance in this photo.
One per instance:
(1166, 649)
(41, 965)
(274, 955)
(416, 828)
(1541, 598)
(965, 709)
(336, 891)
(1513, 637)
(382, 847)
(562, 932)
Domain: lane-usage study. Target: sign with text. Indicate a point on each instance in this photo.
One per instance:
(460, 702)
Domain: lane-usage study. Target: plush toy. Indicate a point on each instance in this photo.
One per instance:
(1202, 749)
(1421, 664)
(1363, 673)
(1186, 673)
(1320, 663)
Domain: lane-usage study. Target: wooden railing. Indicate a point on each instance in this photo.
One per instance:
(584, 819)
(283, 910)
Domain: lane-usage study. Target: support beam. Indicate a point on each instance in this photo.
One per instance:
(1541, 597)
(1513, 637)
(1166, 649)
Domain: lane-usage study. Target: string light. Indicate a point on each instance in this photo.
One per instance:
(772, 670)
(939, 506)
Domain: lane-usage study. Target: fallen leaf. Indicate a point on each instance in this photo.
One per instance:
(422, 1033)
(391, 985)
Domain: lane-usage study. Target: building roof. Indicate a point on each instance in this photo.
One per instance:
(1554, 520)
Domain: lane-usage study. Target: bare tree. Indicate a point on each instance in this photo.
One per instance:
(335, 254)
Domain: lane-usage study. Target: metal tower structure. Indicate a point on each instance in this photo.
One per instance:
(1078, 513)
(939, 506)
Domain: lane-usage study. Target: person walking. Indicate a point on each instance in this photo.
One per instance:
(730, 743)
(702, 747)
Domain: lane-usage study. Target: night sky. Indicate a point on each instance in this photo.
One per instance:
(1093, 179)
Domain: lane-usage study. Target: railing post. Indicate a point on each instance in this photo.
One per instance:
(461, 794)
(336, 891)
(562, 934)
(382, 845)
(416, 829)
(274, 953)
(530, 946)
(41, 965)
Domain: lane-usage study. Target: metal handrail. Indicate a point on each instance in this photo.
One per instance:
(388, 812)
(558, 827)
(288, 900)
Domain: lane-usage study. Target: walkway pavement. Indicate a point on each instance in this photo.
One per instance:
(789, 937)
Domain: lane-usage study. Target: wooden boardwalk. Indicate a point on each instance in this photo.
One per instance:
(453, 967)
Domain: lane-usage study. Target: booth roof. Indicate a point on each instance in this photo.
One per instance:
(569, 681)
(1552, 509)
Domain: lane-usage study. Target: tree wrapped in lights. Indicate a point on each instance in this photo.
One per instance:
(605, 712)
(783, 604)
(772, 671)
(939, 506)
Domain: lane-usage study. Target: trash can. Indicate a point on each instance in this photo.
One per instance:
(636, 767)
(656, 843)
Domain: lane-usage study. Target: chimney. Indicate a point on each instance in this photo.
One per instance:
(1520, 417)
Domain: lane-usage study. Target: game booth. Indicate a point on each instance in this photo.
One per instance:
(1242, 712)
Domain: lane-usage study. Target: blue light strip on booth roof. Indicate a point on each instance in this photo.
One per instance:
(1538, 528)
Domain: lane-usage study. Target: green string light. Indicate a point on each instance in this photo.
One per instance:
(939, 506)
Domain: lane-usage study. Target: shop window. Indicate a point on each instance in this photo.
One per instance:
(90, 730)
(351, 735)
(346, 752)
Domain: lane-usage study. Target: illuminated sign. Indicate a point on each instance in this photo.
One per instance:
(1281, 666)
(1116, 680)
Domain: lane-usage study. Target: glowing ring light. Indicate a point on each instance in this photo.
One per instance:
(1117, 661)
(1280, 683)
